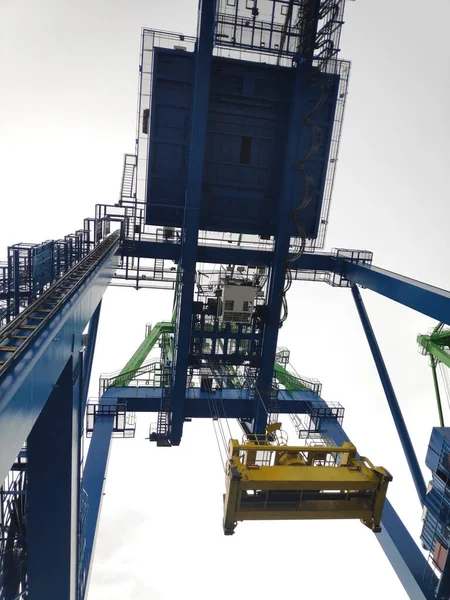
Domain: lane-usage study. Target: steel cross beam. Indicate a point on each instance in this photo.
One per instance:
(190, 230)
(427, 299)
(309, 261)
(27, 383)
(231, 403)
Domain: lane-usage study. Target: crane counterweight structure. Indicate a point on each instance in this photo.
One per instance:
(225, 202)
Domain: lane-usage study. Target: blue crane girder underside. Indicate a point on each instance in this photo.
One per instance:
(28, 383)
(249, 105)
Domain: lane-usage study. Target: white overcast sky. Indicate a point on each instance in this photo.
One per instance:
(67, 115)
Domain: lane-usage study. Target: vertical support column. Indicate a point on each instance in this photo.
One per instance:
(89, 355)
(281, 250)
(394, 406)
(16, 270)
(53, 489)
(407, 560)
(94, 477)
(192, 214)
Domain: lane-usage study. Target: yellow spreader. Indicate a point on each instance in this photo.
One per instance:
(267, 482)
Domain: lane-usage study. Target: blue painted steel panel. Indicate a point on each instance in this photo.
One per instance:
(26, 385)
(439, 443)
(427, 299)
(53, 450)
(248, 110)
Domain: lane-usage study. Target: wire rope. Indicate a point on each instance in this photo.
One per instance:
(216, 417)
(445, 378)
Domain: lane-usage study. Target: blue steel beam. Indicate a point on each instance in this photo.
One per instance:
(16, 271)
(281, 250)
(53, 450)
(407, 560)
(317, 261)
(89, 355)
(27, 384)
(231, 403)
(190, 230)
(394, 406)
(427, 299)
(93, 482)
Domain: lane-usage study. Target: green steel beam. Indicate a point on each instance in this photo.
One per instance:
(127, 374)
(435, 344)
(438, 393)
(290, 382)
(441, 337)
(436, 350)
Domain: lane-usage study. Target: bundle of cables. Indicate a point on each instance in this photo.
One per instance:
(305, 199)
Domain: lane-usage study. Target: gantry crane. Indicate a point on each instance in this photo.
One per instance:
(225, 202)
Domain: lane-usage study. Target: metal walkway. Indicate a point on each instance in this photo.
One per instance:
(15, 337)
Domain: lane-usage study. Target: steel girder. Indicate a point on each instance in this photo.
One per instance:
(231, 403)
(188, 258)
(29, 381)
(426, 299)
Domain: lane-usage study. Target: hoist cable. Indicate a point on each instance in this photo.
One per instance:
(445, 379)
(437, 391)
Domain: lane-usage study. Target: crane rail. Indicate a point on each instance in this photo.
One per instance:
(16, 335)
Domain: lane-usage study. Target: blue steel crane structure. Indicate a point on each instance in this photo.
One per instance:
(237, 140)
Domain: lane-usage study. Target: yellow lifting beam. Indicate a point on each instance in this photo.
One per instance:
(267, 482)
